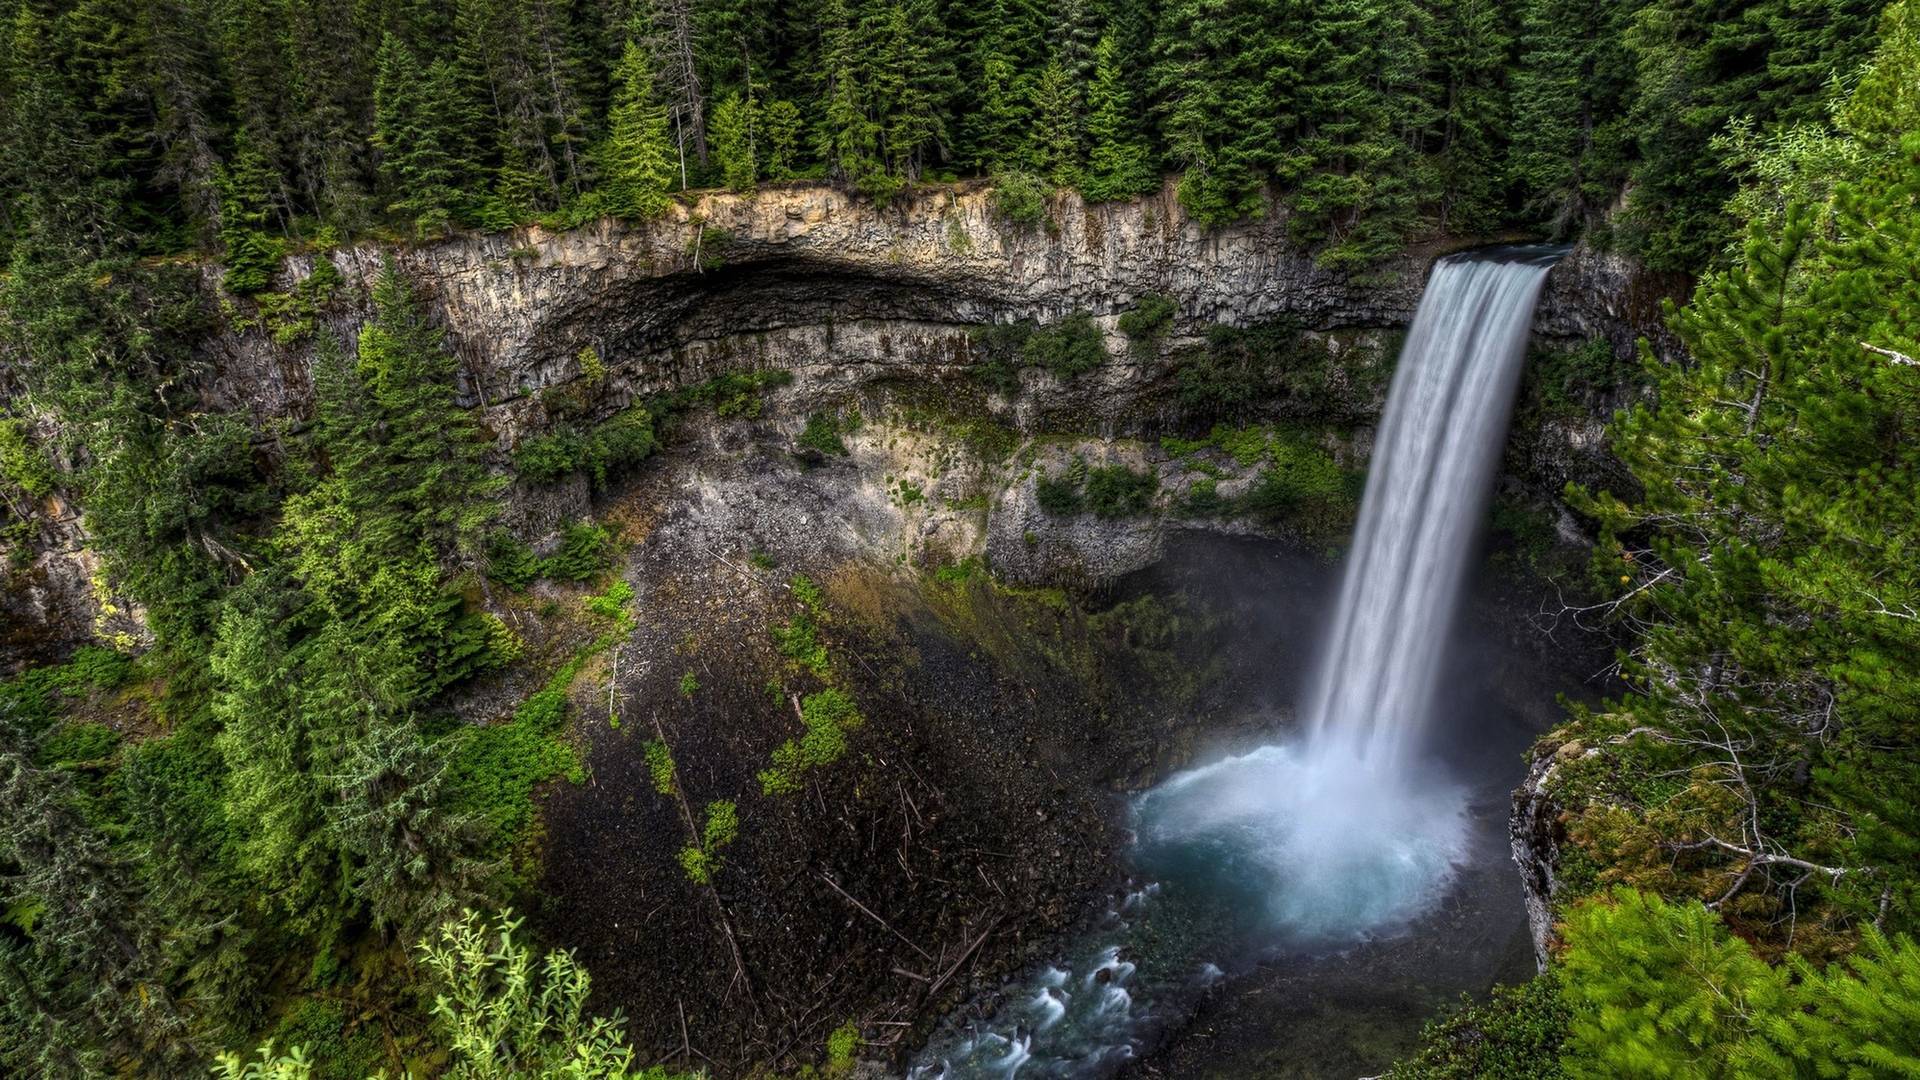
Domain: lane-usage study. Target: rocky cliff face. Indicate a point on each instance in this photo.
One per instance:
(850, 297)
(803, 276)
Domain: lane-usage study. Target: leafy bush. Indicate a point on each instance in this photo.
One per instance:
(1149, 318)
(22, 465)
(824, 432)
(93, 668)
(1067, 348)
(1118, 491)
(1059, 496)
(701, 862)
(510, 562)
(603, 452)
(585, 550)
(75, 743)
(736, 393)
(798, 639)
(1020, 197)
(997, 352)
(1515, 1034)
(612, 604)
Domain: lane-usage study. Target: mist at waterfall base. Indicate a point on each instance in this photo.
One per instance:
(1346, 831)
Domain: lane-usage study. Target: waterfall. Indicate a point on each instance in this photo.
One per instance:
(1334, 836)
(1427, 487)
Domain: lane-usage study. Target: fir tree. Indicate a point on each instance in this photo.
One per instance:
(637, 159)
(734, 132)
(415, 138)
(1119, 162)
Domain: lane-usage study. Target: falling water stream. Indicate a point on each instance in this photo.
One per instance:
(1342, 833)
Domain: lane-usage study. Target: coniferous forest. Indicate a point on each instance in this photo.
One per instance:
(248, 833)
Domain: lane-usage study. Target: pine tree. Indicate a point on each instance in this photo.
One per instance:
(783, 128)
(734, 135)
(252, 251)
(413, 861)
(638, 159)
(1119, 161)
(415, 137)
(1056, 132)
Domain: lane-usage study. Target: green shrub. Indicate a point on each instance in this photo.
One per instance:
(1059, 496)
(510, 562)
(22, 465)
(997, 352)
(1203, 499)
(585, 550)
(798, 639)
(736, 393)
(825, 431)
(1302, 483)
(808, 592)
(73, 743)
(604, 451)
(612, 604)
(549, 457)
(1149, 319)
(1067, 348)
(93, 668)
(1118, 491)
(689, 685)
(1020, 197)
(1516, 1034)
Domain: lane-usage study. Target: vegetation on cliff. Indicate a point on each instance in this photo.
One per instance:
(285, 808)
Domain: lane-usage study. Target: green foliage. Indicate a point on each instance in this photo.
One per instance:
(585, 550)
(1059, 495)
(828, 717)
(734, 134)
(1149, 319)
(998, 351)
(1068, 348)
(825, 432)
(1766, 559)
(700, 862)
(798, 639)
(510, 562)
(689, 685)
(842, 1042)
(661, 768)
(637, 158)
(73, 743)
(604, 451)
(612, 604)
(736, 393)
(23, 466)
(1516, 1034)
(1120, 491)
(265, 1065)
(501, 1011)
(1020, 198)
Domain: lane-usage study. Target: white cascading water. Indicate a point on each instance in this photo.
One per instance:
(1427, 488)
(1341, 833)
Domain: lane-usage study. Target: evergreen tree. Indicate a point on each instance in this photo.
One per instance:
(252, 251)
(1056, 133)
(416, 139)
(1119, 162)
(637, 159)
(734, 131)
